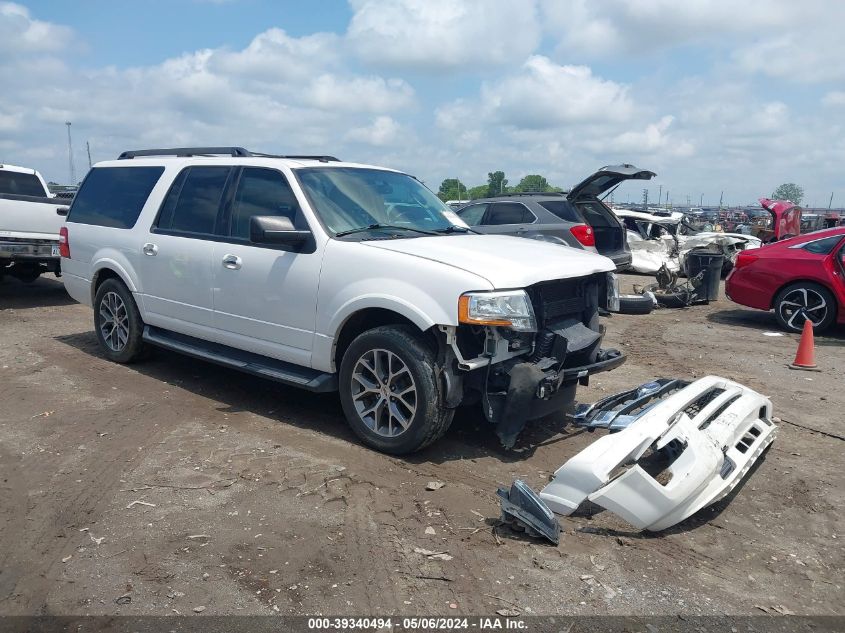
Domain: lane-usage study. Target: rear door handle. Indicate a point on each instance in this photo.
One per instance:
(150, 249)
(232, 262)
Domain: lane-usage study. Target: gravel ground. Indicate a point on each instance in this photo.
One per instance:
(175, 486)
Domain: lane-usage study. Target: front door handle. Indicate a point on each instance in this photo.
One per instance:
(232, 262)
(150, 249)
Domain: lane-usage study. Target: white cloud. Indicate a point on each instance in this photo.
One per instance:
(834, 98)
(545, 94)
(443, 34)
(383, 131)
(20, 33)
(614, 26)
(359, 94)
(655, 137)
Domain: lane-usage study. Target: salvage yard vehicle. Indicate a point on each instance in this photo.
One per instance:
(666, 239)
(781, 221)
(578, 218)
(801, 278)
(29, 225)
(334, 276)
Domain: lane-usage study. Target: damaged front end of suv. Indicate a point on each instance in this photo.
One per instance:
(522, 353)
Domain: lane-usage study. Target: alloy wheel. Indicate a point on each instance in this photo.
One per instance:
(803, 304)
(384, 392)
(114, 321)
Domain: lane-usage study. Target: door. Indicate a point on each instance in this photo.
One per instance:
(265, 296)
(176, 259)
(507, 218)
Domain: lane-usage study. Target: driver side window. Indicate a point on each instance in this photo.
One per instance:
(261, 192)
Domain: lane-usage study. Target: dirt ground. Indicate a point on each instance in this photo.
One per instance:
(173, 484)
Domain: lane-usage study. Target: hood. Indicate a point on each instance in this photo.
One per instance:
(506, 262)
(673, 217)
(776, 206)
(607, 178)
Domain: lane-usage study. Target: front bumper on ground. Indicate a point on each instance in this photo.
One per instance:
(537, 389)
(678, 453)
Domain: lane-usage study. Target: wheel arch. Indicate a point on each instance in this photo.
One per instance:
(108, 269)
(366, 319)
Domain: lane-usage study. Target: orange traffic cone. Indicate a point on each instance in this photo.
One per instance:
(805, 358)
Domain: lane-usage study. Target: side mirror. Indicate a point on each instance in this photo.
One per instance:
(274, 229)
(63, 211)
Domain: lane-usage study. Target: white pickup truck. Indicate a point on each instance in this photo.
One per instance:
(29, 225)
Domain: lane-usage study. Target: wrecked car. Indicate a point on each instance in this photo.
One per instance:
(782, 221)
(658, 240)
(674, 448)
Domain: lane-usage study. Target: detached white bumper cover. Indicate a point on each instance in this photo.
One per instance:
(703, 438)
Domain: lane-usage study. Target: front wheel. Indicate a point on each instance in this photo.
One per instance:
(805, 301)
(390, 391)
(117, 322)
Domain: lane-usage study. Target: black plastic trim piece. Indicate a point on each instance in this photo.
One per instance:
(255, 364)
(185, 152)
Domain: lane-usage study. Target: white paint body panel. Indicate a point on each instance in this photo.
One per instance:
(695, 481)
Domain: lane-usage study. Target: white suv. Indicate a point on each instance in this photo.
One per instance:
(330, 276)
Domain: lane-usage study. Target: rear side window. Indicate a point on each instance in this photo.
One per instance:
(509, 213)
(261, 192)
(16, 183)
(562, 209)
(473, 214)
(823, 246)
(113, 196)
(192, 204)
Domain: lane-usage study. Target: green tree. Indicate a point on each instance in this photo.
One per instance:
(789, 191)
(534, 182)
(497, 184)
(452, 189)
(481, 191)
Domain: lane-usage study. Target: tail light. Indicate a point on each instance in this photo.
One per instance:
(744, 259)
(584, 234)
(64, 245)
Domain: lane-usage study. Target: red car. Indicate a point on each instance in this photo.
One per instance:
(799, 278)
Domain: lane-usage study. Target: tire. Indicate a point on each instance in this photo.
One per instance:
(790, 307)
(124, 343)
(635, 304)
(405, 365)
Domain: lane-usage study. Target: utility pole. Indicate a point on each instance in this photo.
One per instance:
(701, 201)
(71, 168)
(830, 203)
(645, 199)
(88, 147)
(660, 195)
(721, 195)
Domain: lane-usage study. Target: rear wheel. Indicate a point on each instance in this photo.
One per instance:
(390, 391)
(804, 301)
(117, 322)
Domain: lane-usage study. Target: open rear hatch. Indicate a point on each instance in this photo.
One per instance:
(609, 232)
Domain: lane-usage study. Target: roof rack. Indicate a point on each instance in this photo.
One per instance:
(185, 151)
(239, 152)
(321, 158)
(530, 193)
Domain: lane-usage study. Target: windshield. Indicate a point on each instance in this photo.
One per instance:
(350, 198)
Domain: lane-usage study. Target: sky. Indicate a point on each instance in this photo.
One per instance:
(720, 98)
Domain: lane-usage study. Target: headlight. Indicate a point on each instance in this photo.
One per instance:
(612, 292)
(506, 309)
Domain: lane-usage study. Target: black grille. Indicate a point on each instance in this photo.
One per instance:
(554, 300)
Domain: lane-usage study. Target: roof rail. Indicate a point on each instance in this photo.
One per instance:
(321, 158)
(210, 151)
(185, 151)
(529, 193)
